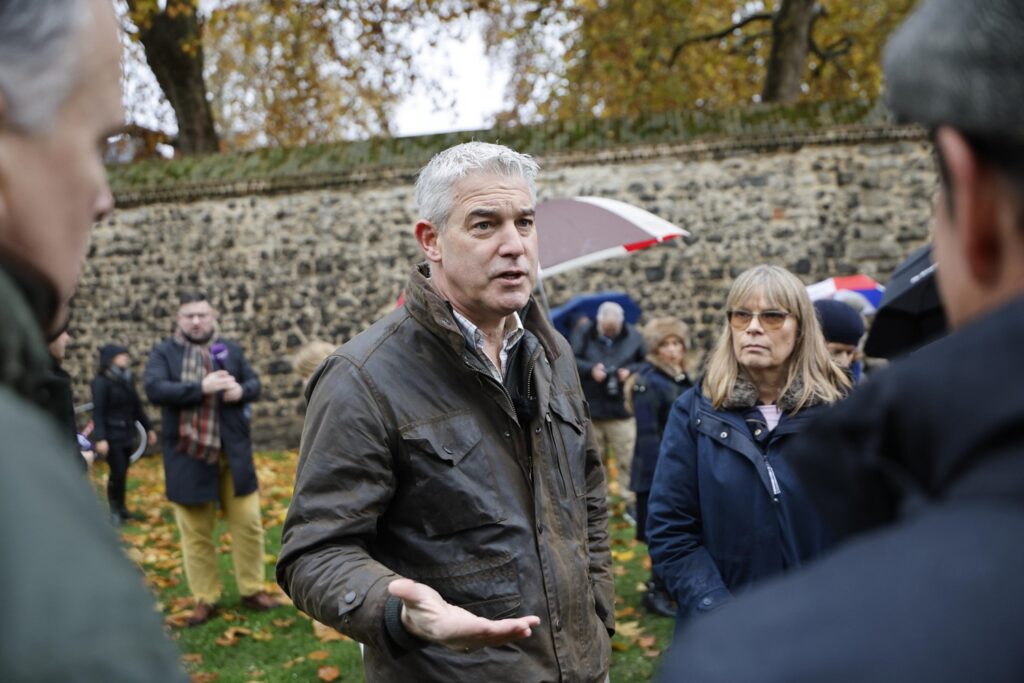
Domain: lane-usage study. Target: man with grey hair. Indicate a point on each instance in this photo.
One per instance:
(920, 471)
(607, 352)
(449, 506)
(72, 607)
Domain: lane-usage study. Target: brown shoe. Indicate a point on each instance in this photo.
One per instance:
(201, 614)
(260, 602)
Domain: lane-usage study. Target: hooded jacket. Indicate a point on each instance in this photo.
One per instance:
(416, 464)
(116, 405)
(921, 474)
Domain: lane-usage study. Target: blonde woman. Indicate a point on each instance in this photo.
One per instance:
(725, 508)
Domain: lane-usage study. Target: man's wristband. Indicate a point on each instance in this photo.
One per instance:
(396, 629)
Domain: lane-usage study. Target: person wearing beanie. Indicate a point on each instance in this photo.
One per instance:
(650, 393)
(843, 328)
(919, 472)
(116, 407)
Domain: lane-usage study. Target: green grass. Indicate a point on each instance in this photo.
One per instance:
(282, 645)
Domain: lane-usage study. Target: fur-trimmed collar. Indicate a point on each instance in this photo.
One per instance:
(677, 374)
(744, 395)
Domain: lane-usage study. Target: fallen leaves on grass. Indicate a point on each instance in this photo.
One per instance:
(292, 662)
(283, 622)
(318, 655)
(204, 677)
(646, 642)
(192, 658)
(232, 635)
(328, 673)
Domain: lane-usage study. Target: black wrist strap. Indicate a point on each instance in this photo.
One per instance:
(396, 629)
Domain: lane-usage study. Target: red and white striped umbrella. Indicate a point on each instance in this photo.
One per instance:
(834, 288)
(579, 231)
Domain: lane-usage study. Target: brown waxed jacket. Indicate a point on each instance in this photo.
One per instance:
(414, 465)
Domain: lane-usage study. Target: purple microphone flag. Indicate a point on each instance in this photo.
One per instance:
(219, 354)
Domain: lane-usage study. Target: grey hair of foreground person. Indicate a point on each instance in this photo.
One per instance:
(39, 48)
(434, 198)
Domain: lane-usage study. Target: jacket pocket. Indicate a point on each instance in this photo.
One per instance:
(452, 481)
(570, 443)
(487, 586)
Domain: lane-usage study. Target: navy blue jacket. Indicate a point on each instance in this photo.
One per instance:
(191, 481)
(726, 509)
(653, 391)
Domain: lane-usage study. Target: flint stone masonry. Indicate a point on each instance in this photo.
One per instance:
(325, 262)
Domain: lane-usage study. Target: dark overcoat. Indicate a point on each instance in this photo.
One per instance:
(190, 481)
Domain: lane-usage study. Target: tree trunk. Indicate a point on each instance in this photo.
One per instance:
(174, 51)
(791, 41)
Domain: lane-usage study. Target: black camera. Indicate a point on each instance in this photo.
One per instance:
(612, 385)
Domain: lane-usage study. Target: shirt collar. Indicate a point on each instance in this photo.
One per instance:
(513, 332)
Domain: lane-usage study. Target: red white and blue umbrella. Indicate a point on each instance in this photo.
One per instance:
(836, 287)
(582, 230)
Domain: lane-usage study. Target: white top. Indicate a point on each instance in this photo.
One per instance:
(771, 414)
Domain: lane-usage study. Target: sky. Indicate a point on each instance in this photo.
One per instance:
(476, 83)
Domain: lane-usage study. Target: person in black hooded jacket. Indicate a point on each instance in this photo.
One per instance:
(116, 407)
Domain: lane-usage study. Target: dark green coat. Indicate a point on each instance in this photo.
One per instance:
(72, 607)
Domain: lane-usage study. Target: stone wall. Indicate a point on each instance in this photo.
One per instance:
(326, 260)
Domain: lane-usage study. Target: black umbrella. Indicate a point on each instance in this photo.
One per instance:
(910, 314)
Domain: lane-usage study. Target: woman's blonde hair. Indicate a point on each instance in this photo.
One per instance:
(819, 378)
(308, 358)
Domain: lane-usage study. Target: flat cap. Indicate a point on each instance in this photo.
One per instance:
(960, 63)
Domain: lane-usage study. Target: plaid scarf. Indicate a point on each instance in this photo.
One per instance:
(199, 426)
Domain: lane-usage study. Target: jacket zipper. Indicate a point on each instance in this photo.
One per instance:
(771, 475)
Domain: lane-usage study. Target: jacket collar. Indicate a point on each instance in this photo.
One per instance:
(674, 374)
(24, 359)
(744, 395)
(430, 309)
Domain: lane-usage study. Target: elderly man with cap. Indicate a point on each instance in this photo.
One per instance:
(921, 470)
(72, 606)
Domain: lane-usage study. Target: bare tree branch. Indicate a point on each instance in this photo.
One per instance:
(716, 35)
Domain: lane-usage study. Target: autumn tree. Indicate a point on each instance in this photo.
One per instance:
(629, 57)
(286, 72)
(172, 38)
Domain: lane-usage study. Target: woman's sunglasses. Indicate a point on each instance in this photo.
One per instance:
(740, 319)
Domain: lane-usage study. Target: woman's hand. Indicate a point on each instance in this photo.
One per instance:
(102, 448)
